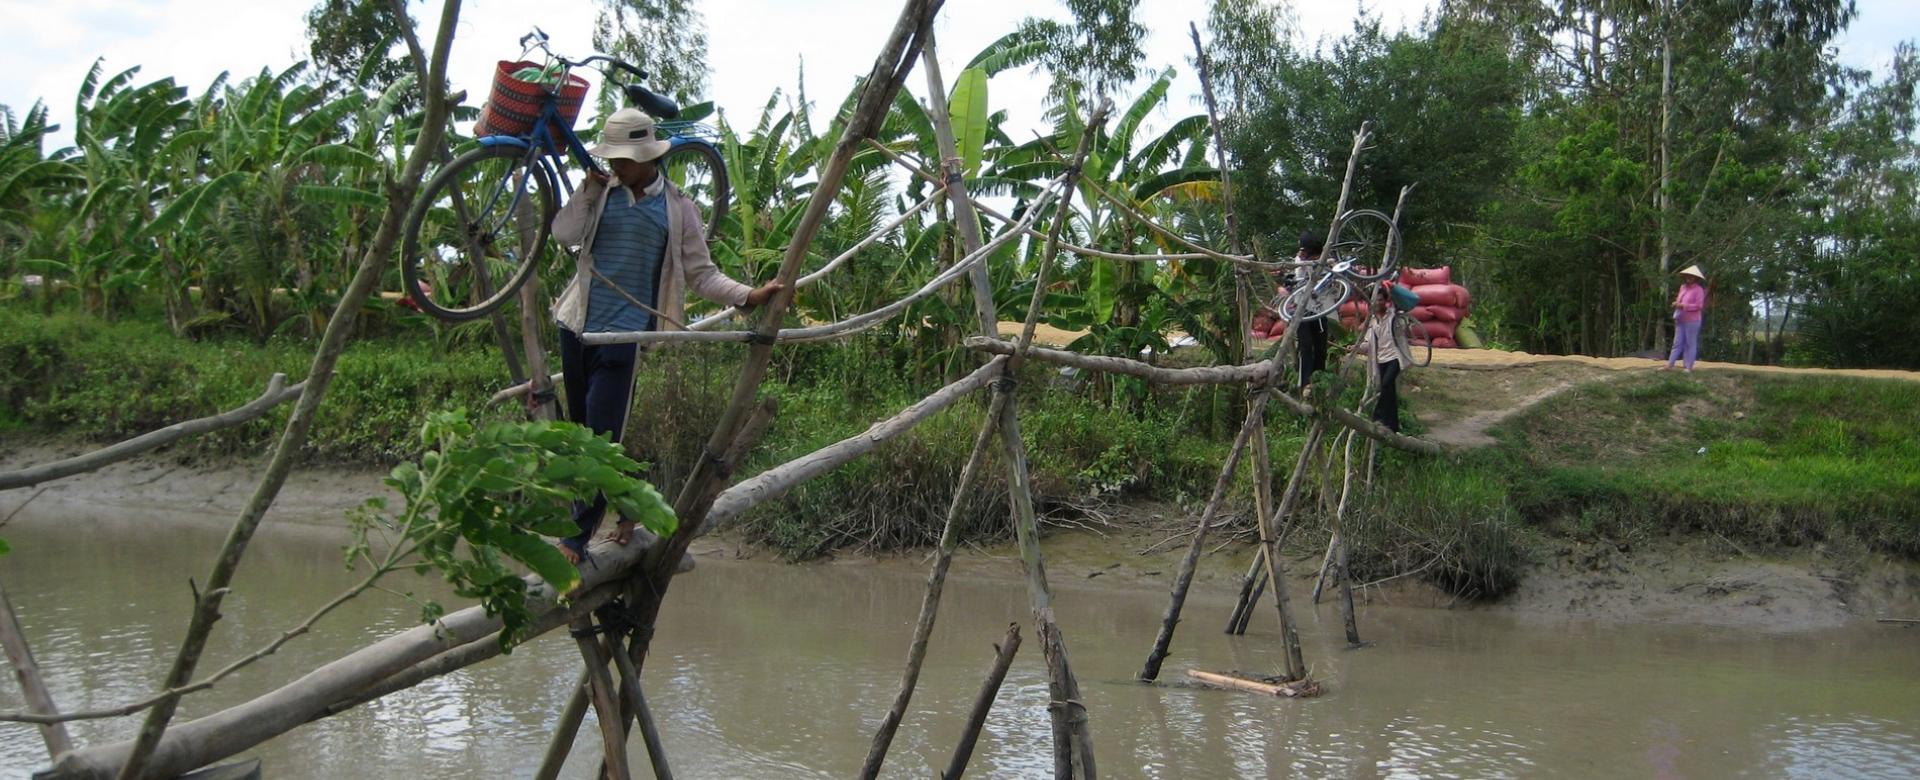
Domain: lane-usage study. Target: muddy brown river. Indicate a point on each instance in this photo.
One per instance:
(767, 670)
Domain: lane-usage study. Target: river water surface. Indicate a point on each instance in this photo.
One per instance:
(766, 670)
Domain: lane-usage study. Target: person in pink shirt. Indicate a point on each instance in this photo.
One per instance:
(1687, 307)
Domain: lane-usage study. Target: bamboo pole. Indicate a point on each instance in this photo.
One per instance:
(564, 733)
(606, 708)
(1326, 563)
(1251, 590)
(983, 702)
(20, 656)
(636, 706)
(277, 393)
(647, 588)
(1339, 523)
(1270, 545)
(293, 437)
(1288, 690)
(1073, 744)
(1213, 375)
(965, 221)
(1256, 418)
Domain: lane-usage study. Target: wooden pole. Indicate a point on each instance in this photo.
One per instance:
(27, 673)
(1270, 545)
(983, 702)
(565, 730)
(1256, 418)
(1073, 743)
(1072, 734)
(1250, 594)
(936, 583)
(1339, 521)
(277, 393)
(1326, 564)
(293, 437)
(606, 707)
(636, 706)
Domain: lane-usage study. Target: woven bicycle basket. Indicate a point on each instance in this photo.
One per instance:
(513, 105)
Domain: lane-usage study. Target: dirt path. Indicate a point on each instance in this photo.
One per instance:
(1490, 358)
(1471, 431)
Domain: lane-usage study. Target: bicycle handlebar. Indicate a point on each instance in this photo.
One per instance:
(537, 39)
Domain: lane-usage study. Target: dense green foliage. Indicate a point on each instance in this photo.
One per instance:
(1566, 178)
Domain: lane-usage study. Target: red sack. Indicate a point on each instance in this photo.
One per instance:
(1464, 300)
(1436, 294)
(1444, 343)
(1422, 313)
(1436, 330)
(1279, 329)
(1442, 314)
(1352, 309)
(513, 105)
(1413, 277)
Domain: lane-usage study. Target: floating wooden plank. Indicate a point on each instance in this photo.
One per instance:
(1297, 689)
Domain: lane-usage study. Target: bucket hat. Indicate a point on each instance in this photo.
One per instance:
(629, 134)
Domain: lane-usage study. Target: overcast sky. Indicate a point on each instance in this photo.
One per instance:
(755, 46)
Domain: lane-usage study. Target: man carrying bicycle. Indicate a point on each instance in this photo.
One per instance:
(1312, 340)
(641, 246)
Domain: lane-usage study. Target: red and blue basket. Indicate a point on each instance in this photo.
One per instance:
(514, 105)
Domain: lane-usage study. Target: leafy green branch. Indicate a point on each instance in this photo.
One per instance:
(481, 498)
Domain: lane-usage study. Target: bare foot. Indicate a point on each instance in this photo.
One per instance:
(572, 557)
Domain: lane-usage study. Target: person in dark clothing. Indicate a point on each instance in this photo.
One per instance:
(1382, 349)
(1313, 333)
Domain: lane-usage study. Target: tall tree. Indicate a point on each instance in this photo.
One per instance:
(356, 42)
(1099, 52)
(666, 38)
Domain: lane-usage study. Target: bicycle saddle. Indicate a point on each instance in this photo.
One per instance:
(659, 106)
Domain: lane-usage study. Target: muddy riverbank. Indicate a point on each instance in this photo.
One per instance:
(1687, 580)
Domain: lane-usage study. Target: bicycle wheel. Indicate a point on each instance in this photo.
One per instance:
(1317, 301)
(697, 169)
(477, 232)
(1365, 238)
(1411, 338)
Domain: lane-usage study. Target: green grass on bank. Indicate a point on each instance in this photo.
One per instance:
(77, 376)
(1764, 459)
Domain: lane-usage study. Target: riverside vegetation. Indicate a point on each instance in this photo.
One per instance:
(1761, 461)
(192, 241)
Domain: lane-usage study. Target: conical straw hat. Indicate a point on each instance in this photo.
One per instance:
(1693, 271)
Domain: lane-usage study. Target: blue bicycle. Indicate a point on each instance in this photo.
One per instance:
(480, 227)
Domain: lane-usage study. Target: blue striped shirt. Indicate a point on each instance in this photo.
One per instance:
(630, 248)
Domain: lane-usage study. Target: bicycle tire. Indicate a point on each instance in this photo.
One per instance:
(1369, 237)
(1325, 301)
(1418, 347)
(453, 299)
(688, 149)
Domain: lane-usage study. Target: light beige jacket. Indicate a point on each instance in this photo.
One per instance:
(688, 263)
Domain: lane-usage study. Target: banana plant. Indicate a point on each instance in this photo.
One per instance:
(273, 152)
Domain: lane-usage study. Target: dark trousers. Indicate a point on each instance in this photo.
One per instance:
(599, 383)
(1313, 349)
(1386, 410)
